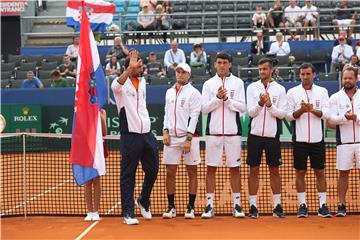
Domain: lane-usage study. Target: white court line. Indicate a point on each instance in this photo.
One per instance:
(113, 208)
(118, 203)
(86, 230)
(37, 196)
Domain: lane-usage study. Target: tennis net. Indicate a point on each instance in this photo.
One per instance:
(36, 179)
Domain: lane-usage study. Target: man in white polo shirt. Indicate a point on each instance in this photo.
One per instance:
(223, 99)
(307, 107)
(293, 19)
(174, 56)
(182, 110)
(344, 113)
(310, 15)
(266, 103)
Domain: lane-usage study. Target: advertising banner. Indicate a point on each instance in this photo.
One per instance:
(13, 7)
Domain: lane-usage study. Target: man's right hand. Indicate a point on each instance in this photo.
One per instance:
(264, 98)
(350, 116)
(166, 138)
(134, 62)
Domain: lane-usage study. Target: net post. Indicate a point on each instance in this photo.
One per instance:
(24, 176)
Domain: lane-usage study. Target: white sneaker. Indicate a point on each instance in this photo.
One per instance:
(238, 212)
(129, 220)
(208, 212)
(95, 216)
(170, 213)
(88, 217)
(190, 213)
(144, 212)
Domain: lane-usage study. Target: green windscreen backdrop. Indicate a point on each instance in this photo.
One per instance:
(59, 119)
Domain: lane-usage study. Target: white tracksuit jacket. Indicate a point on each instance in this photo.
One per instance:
(223, 116)
(131, 106)
(182, 110)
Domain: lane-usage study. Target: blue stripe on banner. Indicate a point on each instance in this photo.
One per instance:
(95, 27)
(101, 88)
(83, 174)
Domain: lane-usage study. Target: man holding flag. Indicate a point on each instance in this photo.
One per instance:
(136, 141)
(87, 153)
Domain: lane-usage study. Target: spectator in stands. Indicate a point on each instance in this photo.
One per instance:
(348, 40)
(345, 17)
(166, 5)
(67, 68)
(341, 55)
(174, 56)
(118, 49)
(153, 4)
(31, 81)
(354, 62)
(73, 49)
(57, 80)
(113, 68)
(275, 15)
(162, 21)
(309, 14)
(146, 21)
(198, 56)
(259, 46)
(259, 17)
(154, 67)
(356, 48)
(293, 19)
(280, 47)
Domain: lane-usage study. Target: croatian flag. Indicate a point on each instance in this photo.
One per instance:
(87, 152)
(100, 12)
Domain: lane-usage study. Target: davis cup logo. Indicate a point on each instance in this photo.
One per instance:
(317, 103)
(274, 100)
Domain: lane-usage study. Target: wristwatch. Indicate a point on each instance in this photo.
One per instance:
(189, 137)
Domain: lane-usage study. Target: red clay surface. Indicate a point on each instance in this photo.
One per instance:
(221, 227)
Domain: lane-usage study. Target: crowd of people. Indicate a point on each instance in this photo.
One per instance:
(294, 18)
(291, 18)
(343, 53)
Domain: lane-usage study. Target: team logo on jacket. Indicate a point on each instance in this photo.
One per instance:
(182, 102)
(232, 93)
(274, 100)
(130, 93)
(317, 103)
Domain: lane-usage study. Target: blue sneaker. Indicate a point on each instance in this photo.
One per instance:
(341, 211)
(278, 211)
(324, 211)
(253, 212)
(303, 211)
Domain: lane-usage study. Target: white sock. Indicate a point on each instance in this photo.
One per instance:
(301, 197)
(209, 199)
(237, 199)
(252, 200)
(322, 198)
(277, 199)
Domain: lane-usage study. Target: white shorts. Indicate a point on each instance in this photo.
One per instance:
(215, 145)
(173, 153)
(344, 22)
(345, 156)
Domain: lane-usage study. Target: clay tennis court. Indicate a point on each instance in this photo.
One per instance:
(224, 227)
(55, 206)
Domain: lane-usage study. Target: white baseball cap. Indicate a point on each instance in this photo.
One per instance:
(185, 67)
